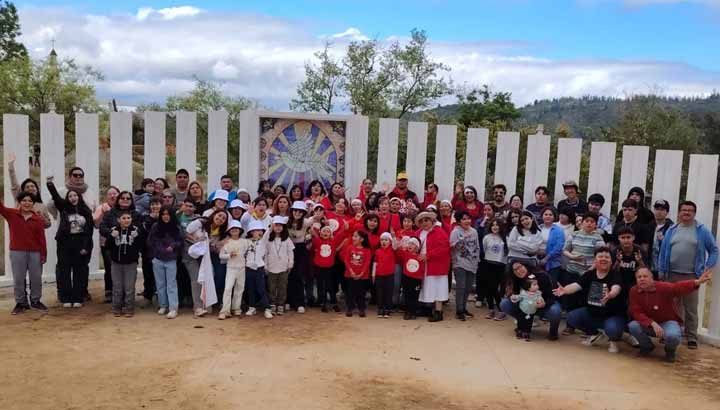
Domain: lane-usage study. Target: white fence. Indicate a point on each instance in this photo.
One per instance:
(669, 165)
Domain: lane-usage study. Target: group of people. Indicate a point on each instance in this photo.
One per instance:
(291, 249)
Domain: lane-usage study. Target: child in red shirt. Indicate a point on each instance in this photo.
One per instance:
(357, 270)
(413, 275)
(384, 271)
(325, 248)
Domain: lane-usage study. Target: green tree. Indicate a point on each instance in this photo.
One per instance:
(480, 106)
(10, 48)
(368, 75)
(322, 85)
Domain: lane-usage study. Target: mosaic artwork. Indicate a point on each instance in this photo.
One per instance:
(298, 151)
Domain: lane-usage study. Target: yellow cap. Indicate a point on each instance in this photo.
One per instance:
(402, 175)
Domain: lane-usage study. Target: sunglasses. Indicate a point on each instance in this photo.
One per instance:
(167, 196)
(75, 175)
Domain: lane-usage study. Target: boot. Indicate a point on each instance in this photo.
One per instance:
(435, 317)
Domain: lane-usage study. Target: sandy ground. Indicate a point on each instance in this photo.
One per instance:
(87, 359)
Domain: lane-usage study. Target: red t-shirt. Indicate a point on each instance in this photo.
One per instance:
(412, 267)
(384, 261)
(358, 259)
(323, 252)
(389, 222)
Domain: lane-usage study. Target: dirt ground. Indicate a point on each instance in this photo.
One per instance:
(87, 359)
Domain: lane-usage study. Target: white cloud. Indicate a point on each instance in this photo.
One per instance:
(168, 13)
(351, 33)
(146, 57)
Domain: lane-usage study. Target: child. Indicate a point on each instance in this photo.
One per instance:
(465, 247)
(493, 267)
(527, 300)
(165, 244)
(401, 237)
(143, 196)
(298, 228)
(237, 208)
(325, 248)
(233, 252)
(383, 273)
(124, 241)
(255, 270)
(279, 259)
(146, 222)
(413, 274)
(357, 261)
(629, 257)
(28, 251)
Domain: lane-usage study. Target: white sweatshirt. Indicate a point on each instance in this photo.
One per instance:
(237, 246)
(279, 255)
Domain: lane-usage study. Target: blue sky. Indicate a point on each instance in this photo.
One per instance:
(673, 40)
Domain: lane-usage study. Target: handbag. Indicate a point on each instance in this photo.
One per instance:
(198, 249)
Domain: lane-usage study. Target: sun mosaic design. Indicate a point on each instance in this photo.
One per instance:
(299, 151)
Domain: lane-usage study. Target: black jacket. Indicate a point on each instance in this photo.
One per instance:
(67, 215)
(126, 245)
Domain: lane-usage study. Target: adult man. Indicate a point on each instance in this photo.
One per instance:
(182, 180)
(76, 181)
(572, 200)
(686, 253)
(595, 204)
(226, 184)
(652, 308)
(659, 227)
(645, 216)
(499, 204)
(643, 235)
(541, 202)
(406, 196)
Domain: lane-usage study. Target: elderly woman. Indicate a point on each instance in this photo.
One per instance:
(435, 253)
(548, 308)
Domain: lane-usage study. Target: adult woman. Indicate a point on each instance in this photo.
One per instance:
(298, 227)
(516, 202)
(445, 216)
(110, 200)
(257, 212)
(28, 251)
(431, 195)
(279, 190)
(109, 219)
(196, 194)
(371, 203)
(30, 186)
(161, 185)
(388, 221)
(469, 203)
(168, 200)
(316, 193)
(337, 192)
(264, 186)
(366, 188)
(553, 242)
(244, 195)
(216, 230)
(165, 242)
(524, 240)
(549, 308)
(281, 206)
(435, 253)
(296, 194)
(74, 246)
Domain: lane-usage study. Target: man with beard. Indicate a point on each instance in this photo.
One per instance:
(499, 205)
(408, 198)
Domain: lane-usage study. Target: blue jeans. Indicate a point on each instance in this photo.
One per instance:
(583, 320)
(166, 282)
(551, 313)
(255, 288)
(672, 336)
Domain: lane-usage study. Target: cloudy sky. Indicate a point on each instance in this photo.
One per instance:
(536, 49)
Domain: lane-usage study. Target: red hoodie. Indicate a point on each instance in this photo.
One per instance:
(437, 252)
(412, 267)
(385, 261)
(358, 259)
(475, 213)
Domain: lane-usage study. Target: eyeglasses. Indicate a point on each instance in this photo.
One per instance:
(167, 196)
(125, 197)
(77, 175)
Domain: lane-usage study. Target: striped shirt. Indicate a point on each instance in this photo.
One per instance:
(583, 244)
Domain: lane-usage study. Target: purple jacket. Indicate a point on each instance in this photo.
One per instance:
(159, 241)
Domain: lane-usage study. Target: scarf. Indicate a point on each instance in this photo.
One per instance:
(80, 188)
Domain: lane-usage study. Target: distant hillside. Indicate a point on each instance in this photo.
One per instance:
(587, 115)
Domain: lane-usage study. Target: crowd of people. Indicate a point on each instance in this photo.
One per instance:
(232, 254)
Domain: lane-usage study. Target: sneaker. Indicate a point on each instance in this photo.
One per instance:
(77, 305)
(67, 305)
(199, 312)
(162, 311)
(268, 314)
(301, 309)
(692, 344)
(117, 313)
(129, 313)
(251, 312)
(39, 306)
(222, 316)
(669, 356)
(491, 314)
(595, 339)
(87, 297)
(172, 314)
(108, 298)
(18, 309)
(500, 316)
(613, 348)
(526, 336)
(478, 304)
(280, 310)
(236, 313)
(630, 339)
(287, 307)
(336, 308)
(380, 314)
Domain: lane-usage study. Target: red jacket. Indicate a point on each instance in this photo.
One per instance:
(412, 267)
(475, 213)
(429, 199)
(385, 261)
(437, 252)
(358, 259)
(25, 234)
(658, 305)
(447, 224)
(324, 251)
